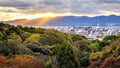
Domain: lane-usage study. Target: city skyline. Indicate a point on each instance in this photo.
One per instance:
(91, 32)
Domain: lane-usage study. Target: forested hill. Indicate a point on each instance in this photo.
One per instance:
(29, 47)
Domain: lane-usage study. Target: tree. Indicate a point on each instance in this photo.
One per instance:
(84, 61)
(83, 45)
(14, 36)
(34, 38)
(95, 64)
(23, 62)
(94, 47)
(107, 40)
(110, 38)
(3, 61)
(49, 64)
(36, 48)
(33, 47)
(51, 37)
(110, 62)
(95, 56)
(77, 37)
(66, 56)
(10, 47)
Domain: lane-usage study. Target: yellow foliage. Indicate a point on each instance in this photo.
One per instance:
(33, 38)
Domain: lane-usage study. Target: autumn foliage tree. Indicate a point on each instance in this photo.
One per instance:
(95, 64)
(109, 63)
(3, 62)
(20, 62)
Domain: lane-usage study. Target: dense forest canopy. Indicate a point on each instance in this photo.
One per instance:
(29, 47)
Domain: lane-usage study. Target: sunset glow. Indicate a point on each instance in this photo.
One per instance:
(4, 16)
(44, 21)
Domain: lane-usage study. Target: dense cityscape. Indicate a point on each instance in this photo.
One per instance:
(90, 32)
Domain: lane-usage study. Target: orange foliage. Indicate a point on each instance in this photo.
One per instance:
(95, 64)
(109, 47)
(116, 43)
(20, 62)
(3, 62)
(109, 62)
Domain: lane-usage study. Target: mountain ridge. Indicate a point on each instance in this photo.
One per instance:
(69, 21)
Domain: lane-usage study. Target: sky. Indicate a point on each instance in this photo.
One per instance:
(30, 9)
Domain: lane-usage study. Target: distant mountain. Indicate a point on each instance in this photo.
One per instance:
(69, 21)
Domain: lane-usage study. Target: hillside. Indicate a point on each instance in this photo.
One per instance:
(29, 47)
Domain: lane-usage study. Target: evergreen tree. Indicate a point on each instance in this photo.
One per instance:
(66, 56)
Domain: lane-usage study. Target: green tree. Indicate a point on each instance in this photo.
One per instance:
(95, 56)
(107, 40)
(13, 45)
(83, 45)
(10, 47)
(67, 57)
(94, 47)
(77, 37)
(36, 48)
(33, 38)
(51, 37)
(49, 64)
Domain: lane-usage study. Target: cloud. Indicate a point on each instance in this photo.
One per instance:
(62, 6)
(82, 7)
(54, 2)
(15, 3)
(110, 1)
